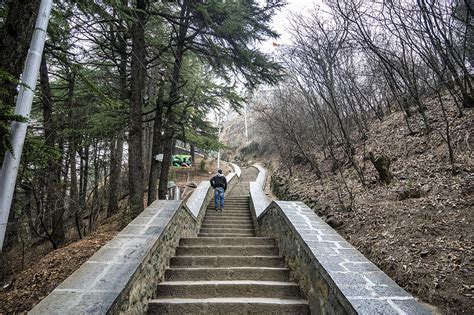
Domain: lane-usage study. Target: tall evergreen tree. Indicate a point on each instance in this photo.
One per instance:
(223, 35)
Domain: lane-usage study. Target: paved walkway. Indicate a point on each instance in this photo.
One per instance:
(227, 269)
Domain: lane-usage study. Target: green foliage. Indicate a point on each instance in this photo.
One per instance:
(7, 115)
(229, 34)
(38, 154)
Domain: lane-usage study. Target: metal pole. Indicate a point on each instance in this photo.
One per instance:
(219, 139)
(246, 126)
(24, 100)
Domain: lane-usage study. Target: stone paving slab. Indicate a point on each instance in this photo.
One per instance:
(259, 199)
(196, 200)
(237, 169)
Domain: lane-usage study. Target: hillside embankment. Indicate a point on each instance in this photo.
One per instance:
(419, 228)
(35, 271)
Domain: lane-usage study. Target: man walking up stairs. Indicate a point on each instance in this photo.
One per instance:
(227, 269)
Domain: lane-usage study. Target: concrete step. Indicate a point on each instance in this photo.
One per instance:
(227, 261)
(243, 197)
(227, 273)
(223, 214)
(248, 225)
(224, 220)
(243, 205)
(228, 212)
(225, 234)
(227, 230)
(231, 206)
(230, 224)
(227, 217)
(228, 208)
(247, 250)
(228, 288)
(230, 305)
(227, 225)
(234, 204)
(209, 241)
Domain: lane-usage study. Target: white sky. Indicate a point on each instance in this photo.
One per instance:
(281, 20)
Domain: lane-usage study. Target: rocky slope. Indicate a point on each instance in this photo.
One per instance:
(419, 228)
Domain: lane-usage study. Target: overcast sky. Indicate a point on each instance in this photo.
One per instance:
(281, 20)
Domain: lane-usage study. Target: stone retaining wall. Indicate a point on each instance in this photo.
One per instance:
(335, 277)
(233, 177)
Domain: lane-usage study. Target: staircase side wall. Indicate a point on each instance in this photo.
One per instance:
(122, 276)
(335, 277)
(258, 199)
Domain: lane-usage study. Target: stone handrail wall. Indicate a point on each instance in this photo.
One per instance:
(236, 169)
(122, 276)
(199, 198)
(258, 199)
(262, 176)
(335, 277)
(233, 178)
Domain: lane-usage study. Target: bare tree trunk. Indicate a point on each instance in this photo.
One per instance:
(165, 166)
(156, 146)
(84, 175)
(135, 156)
(96, 200)
(53, 201)
(116, 156)
(116, 152)
(192, 153)
(172, 99)
(58, 229)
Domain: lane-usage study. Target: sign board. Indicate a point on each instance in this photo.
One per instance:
(159, 157)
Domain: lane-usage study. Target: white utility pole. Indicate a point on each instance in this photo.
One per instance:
(219, 139)
(24, 100)
(246, 126)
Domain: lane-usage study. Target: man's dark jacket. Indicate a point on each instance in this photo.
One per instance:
(219, 181)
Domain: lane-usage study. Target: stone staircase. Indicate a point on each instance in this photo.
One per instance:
(228, 270)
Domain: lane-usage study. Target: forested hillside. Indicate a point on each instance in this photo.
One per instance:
(119, 83)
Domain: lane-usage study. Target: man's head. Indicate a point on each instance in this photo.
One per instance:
(219, 171)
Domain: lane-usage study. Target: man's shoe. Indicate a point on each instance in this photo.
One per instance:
(222, 209)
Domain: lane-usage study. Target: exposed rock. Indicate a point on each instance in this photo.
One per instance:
(382, 165)
(192, 185)
(409, 192)
(332, 221)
